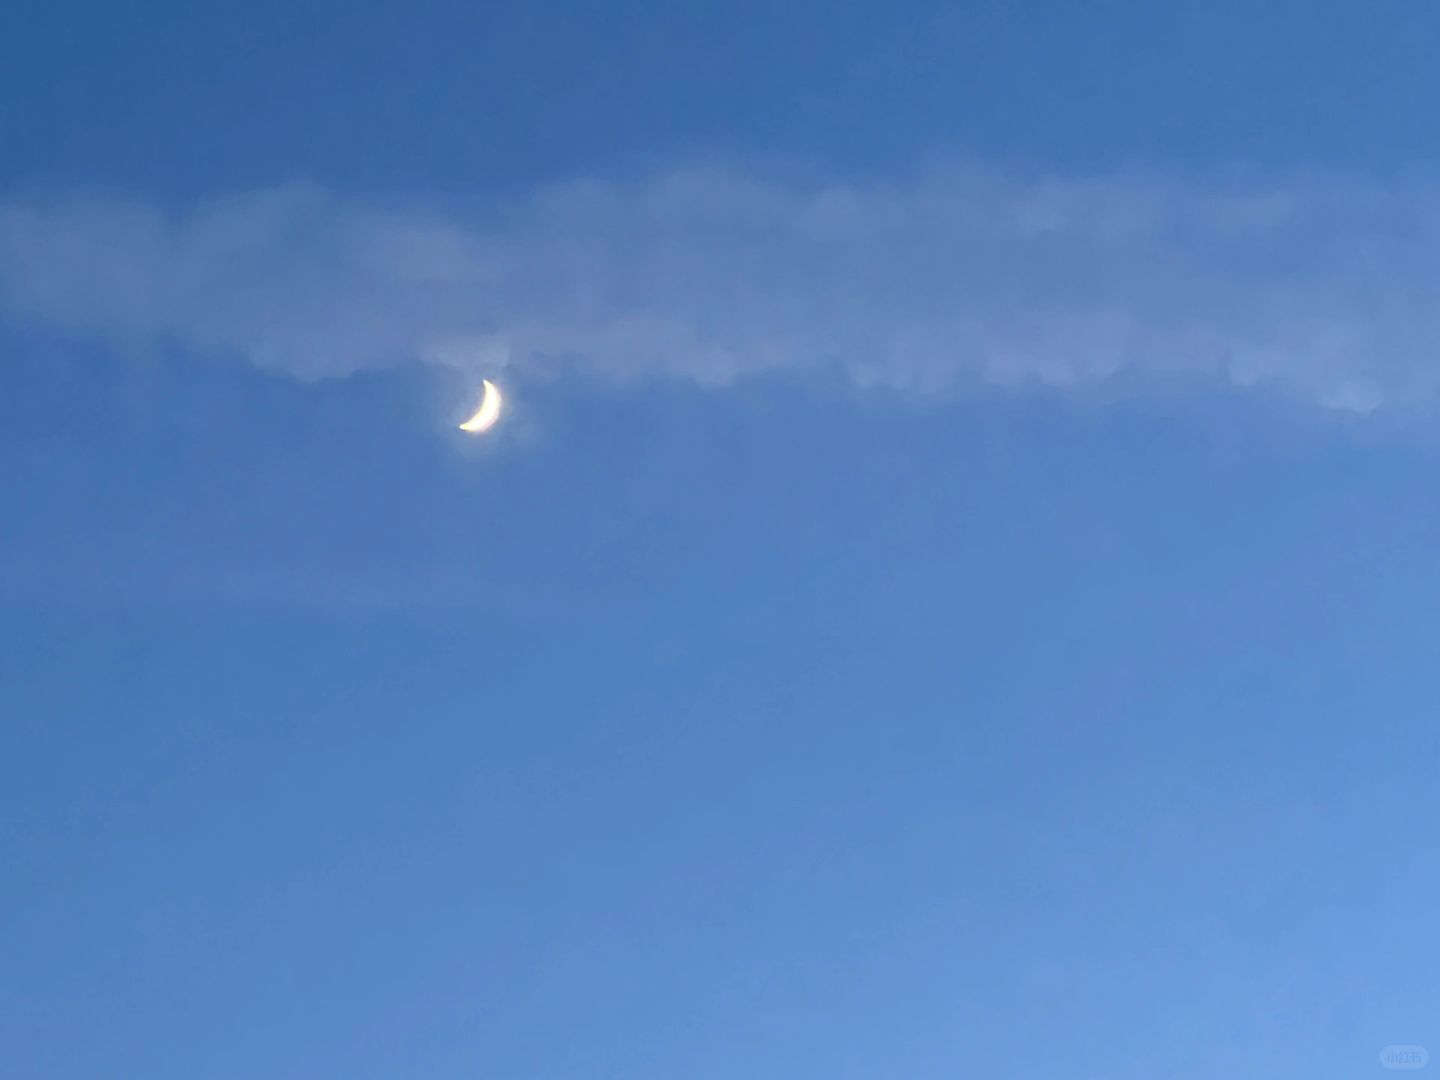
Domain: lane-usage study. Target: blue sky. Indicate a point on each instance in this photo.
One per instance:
(952, 593)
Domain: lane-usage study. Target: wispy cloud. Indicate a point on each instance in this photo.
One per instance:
(1321, 290)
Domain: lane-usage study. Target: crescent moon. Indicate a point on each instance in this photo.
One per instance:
(489, 411)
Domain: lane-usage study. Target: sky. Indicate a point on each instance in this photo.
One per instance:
(952, 592)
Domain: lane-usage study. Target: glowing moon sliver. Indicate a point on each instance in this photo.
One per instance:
(489, 411)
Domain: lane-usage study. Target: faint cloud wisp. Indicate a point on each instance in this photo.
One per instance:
(962, 278)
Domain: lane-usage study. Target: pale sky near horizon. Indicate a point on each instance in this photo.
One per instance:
(952, 593)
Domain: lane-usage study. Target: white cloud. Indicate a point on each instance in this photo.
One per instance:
(1322, 290)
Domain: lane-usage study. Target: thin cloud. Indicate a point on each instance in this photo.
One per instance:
(1323, 291)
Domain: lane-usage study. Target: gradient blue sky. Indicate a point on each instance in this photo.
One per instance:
(954, 595)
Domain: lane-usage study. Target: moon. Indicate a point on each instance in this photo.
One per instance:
(489, 411)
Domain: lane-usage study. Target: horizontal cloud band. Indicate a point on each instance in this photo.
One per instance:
(1322, 290)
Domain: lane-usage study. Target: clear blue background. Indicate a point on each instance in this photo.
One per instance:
(189, 98)
(782, 731)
